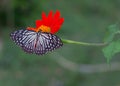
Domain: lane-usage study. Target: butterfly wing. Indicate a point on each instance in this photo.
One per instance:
(36, 42)
(25, 39)
(47, 42)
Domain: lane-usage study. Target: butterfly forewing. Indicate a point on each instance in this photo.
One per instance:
(36, 42)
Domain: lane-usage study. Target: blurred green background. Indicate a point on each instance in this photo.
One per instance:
(71, 65)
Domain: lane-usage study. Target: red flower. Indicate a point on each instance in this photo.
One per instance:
(50, 23)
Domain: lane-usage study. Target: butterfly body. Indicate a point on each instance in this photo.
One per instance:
(36, 42)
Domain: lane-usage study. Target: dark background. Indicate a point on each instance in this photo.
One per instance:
(71, 65)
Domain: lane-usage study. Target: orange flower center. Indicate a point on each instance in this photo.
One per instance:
(43, 28)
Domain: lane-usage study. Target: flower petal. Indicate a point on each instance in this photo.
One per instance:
(43, 16)
(31, 28)
(57, 25)
(44, 19)
(56, 28)
(57, 14)
(38, 23)
(50, 15)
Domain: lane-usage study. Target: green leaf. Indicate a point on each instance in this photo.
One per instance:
(112, 30)
(113, 46)
(110, 50)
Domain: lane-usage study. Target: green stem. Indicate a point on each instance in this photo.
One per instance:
(83, 43)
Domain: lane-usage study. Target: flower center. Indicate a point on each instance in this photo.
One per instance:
(43, 28)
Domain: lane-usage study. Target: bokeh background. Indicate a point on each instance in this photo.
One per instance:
(71, 65)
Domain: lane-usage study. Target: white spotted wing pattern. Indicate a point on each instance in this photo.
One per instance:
(36, 42)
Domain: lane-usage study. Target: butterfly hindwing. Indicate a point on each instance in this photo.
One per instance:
(36, 42)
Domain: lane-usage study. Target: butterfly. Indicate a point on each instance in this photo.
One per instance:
(42, 38)
(36, 42)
